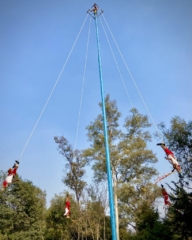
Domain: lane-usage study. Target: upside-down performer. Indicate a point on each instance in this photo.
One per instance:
(170, 157)
(166, 199)
(67, 207)
(10, 175)
(165, 195)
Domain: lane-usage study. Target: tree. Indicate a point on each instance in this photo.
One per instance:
(91, 224)
(74, 172)
(22, 211)
(149, 227)
(180, 214)
(57, 226)
(133, 198)
(75, 165)
(95, 206)
(129, 155)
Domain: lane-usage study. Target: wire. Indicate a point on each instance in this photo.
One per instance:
(80, 105)
(117, 64)
(132, 78)
(52, 89)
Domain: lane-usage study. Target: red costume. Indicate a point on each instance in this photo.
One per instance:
(168, 152)
(67, 207)
(11, 174)
(166, 196)
(170, 157)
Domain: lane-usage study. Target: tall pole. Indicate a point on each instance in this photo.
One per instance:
(109, 174)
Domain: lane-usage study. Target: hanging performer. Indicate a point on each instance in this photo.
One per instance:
(10, 175)
(166, 199)
(165, 195)
(170, 157)
(67, 207)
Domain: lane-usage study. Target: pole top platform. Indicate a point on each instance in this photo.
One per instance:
(95, 11)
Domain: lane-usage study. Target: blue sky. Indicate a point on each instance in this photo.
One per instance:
(36, 37)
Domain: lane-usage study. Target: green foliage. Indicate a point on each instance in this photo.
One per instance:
(124, 234)
(128, 153)
(94, 217)
(131, 201)
(129, 157)
(88, 221)
(149, 227)
(179, 139)
(22, 205)
(105, 232)
(22, 209)
(57, 226)
(181, 212)
(75, 165)
(95, 134)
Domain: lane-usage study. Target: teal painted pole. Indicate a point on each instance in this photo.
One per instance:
(109, 175)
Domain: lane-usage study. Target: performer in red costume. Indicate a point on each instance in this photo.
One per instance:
(10, 175)
(170, 157)
(166, 199)
(165, 195)
(67, 207)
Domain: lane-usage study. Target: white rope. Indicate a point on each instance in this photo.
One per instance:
(133, 79)
(53, 88)
(117, 65)
(81, 100)
(176, 176)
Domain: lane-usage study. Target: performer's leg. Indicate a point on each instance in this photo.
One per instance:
(174, 163)
(172, 160)
(4, 185)
(66, 211)
(166, 200)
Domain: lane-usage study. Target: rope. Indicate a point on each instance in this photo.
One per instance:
(80, 105)
(132, 78)
(176, 176)
(53, 89)
(117, 65)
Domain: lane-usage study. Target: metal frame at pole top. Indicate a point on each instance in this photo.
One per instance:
(109, 174)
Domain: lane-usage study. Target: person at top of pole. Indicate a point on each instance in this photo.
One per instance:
(67, 207)
(165, 195)
(94, 9)
(170, 157)
(10, 175)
